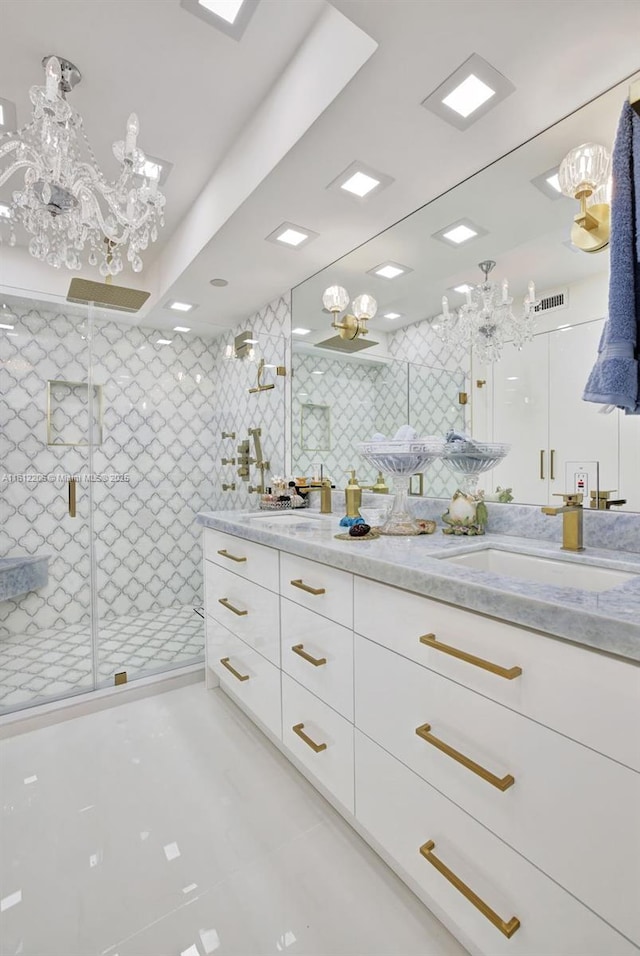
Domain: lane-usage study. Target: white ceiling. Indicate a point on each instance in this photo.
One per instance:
(196, 91)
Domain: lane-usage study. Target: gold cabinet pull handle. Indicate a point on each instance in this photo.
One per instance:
(72, 497)
(506, 927)
(230, 607)
(299, 583)
(232, 557)
(225, 663)
(317, 748)
(507, 672)
(501, 783)
(552, 464)
(316, 661)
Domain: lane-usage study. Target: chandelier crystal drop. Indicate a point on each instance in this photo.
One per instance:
(65, 203)
(486, 321)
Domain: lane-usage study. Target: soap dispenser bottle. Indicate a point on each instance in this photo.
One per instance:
(353, 496)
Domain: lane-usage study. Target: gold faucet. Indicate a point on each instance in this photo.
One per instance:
(325, 495)
(571, 521)
(602, 500)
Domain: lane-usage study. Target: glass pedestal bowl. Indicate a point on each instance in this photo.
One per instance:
(469, 460)
(400, 460)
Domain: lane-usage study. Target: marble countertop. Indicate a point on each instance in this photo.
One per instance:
(605, 620)
(22, 573)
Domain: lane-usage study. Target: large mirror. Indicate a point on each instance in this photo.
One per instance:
(531, 398)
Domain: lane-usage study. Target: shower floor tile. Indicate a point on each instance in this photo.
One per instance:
(57, 662)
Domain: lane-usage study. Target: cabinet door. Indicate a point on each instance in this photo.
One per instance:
(520, 417)
(629, 486)
(578, 430)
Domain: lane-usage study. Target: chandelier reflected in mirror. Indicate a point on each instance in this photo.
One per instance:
(65, 203)
(487, 321)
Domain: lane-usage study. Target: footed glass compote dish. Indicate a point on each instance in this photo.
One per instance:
(400, 460)
(467, 512)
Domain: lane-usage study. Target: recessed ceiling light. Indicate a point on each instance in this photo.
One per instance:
(512, 378)
(288, 234)
(457, 233)
(178, 306)
(470, 92)
(218, 283)
(7, 115)
(5, 210)
(468, 96)
(300, 331)
(548, 183)
(227, 9)
(163, 341)
(229, 16)
(463, 288)
(389, 270)
(10, 327)
(155, 169)
(317, 372)
(360, 181)
(181, 328)
(250, 341)
(392, 315)
(360, 184)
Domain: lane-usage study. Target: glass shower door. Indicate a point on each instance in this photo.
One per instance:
(49, 414)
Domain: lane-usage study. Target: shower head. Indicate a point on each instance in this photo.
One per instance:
(106, 296)
(337, 344)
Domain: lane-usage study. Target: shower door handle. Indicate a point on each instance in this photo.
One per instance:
(72, 497)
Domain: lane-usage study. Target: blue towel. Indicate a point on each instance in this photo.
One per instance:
(615, 378)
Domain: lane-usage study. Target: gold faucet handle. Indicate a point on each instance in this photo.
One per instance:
(572, 499)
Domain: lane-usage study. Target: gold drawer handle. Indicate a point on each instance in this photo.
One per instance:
(317, 748)
(230, 607)
(502, 783)
(225, 663)
(316, 661)
(232, 557)
(507, 672)
(299, 583)
(506, 927)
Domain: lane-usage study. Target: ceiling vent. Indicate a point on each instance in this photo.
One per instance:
(553, 301)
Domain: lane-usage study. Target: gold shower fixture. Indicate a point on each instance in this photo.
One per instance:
(585, 175)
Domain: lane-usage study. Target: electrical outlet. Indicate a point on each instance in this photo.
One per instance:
(582, 477)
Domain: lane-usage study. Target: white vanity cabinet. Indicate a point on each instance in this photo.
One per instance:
(494, 767)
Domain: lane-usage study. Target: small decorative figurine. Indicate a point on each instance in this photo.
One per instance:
(466, 514)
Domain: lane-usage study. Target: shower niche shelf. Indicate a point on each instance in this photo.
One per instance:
(73, 413)
(315, 427)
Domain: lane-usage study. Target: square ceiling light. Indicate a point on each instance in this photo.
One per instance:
(7, 116)
(460, 232)
(5, 210)
(392, 315)
(155, 168)
(470, 92)
(177, 305)
(360, 181)
(462, 289)
(389, 270)
(288, 234)
(300, 331)
(230, 16)
(548, 183)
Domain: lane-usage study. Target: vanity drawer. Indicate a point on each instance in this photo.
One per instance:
(250, 679)
(250, 611)
(329, 674)
(256, 562)
(402, 813)
(589, 696)
(566, 808)
(327, 751)
(333, 589)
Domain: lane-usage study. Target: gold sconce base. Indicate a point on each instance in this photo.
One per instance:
(590, 231)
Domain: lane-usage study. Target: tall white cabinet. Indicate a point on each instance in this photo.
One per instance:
(536, 405)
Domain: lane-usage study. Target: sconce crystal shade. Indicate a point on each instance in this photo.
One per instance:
(335, 298)
(364, 306)
(584, 169)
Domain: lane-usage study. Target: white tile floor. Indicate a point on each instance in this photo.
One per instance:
(55, 663)
(170, 826)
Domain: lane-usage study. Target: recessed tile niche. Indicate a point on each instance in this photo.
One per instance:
(68, 413)
(315, 427)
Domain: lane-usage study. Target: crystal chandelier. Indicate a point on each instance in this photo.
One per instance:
(66, 204)
(486, 321)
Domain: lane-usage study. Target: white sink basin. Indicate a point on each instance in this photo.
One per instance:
(529, 567)
(287, 518)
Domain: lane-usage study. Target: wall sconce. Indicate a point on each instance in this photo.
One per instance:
(584, 174)
(335, 300)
